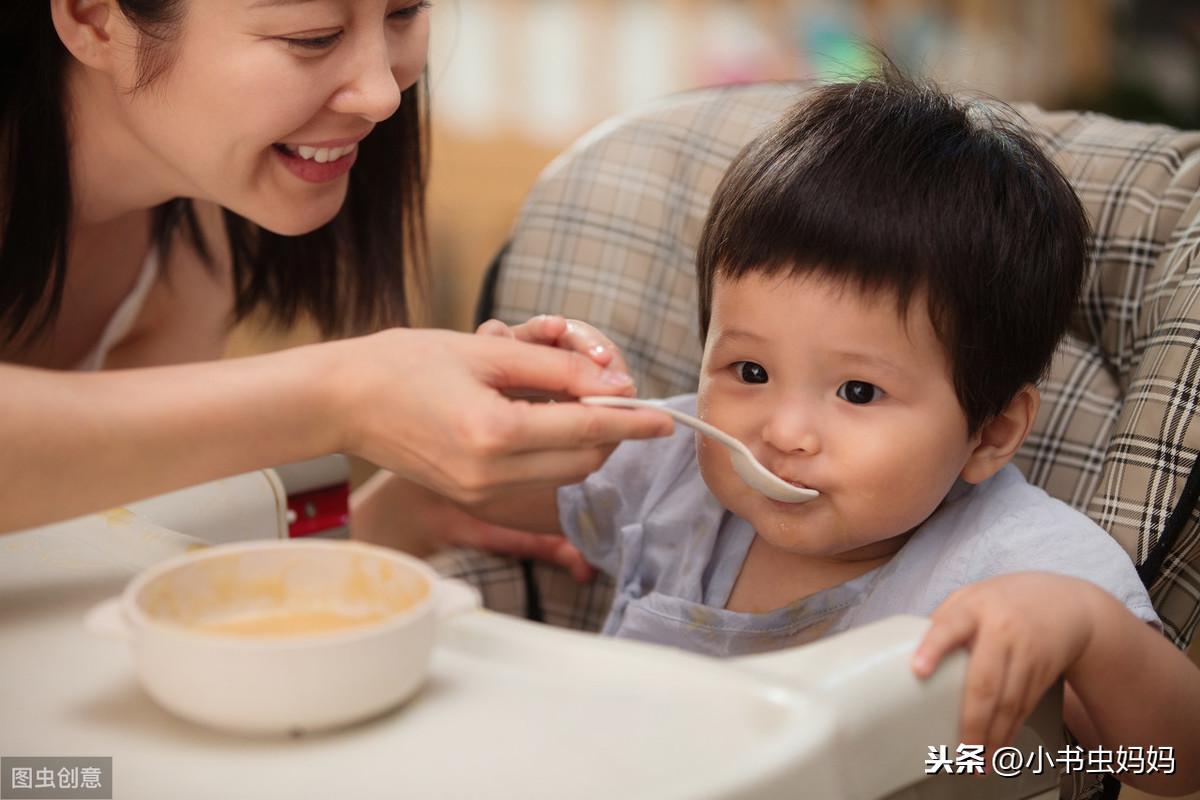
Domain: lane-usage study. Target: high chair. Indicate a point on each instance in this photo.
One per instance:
(609, 232)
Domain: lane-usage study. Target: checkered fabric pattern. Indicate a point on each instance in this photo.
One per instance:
(609, 235)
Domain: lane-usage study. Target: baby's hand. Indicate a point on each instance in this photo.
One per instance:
(1023, 631)
(568, 334)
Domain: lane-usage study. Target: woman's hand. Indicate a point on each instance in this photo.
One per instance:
(431, 406)
(390, 511)
(1023, 631)
(567, 334)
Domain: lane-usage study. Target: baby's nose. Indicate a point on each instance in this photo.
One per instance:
(792, 430)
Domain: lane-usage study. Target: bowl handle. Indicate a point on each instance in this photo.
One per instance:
(107, 621)
(453, 597)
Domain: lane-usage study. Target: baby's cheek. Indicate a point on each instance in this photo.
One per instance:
(898, 503)
(714, 467)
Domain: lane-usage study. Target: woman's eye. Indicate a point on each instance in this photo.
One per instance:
(313, 43)
(749, 372)
(408, 12)
(329, 40)
(859, 392)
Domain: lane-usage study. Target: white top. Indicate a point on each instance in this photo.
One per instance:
(120, 323)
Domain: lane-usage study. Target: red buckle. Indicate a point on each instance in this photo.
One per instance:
(318, 511)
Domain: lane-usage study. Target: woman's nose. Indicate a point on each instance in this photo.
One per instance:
(371, 90)
(791, 428)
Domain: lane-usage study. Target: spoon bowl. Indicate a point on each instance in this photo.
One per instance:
(746, 466)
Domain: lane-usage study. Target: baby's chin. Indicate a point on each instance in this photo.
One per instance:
(816, 530)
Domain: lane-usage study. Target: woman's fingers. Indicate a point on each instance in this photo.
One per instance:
(567, 334)
(554, 426)
(583, 338)
(543, 468)
(494, 327)
(520, 544)
(542, 329)
(431, 406)
(519, 365)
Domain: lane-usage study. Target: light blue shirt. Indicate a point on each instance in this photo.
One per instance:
(647, 518)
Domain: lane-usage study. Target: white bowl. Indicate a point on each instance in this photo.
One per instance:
(277, 637)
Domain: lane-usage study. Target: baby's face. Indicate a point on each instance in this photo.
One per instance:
(836, 391)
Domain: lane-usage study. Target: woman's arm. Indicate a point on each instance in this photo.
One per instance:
(425, 404)
(76, 443)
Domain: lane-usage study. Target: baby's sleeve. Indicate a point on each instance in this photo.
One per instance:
(595, 514)
(1071, 544)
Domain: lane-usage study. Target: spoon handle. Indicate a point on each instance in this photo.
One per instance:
(687, 419)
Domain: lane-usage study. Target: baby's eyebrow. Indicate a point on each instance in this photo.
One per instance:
(868, 359)
(274, 3)
(727, 334)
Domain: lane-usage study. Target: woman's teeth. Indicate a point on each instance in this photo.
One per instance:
(320, 154)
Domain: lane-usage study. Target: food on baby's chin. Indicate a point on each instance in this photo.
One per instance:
(291, 623)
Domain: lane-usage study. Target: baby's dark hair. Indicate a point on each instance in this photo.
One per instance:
(891, 185)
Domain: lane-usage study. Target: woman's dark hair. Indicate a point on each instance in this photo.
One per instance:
(891, 185)
(349, 274)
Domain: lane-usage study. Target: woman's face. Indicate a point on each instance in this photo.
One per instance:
(263, 101)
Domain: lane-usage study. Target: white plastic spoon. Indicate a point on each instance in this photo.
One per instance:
(745, 464)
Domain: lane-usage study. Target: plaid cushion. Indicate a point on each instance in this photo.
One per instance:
(609, 235)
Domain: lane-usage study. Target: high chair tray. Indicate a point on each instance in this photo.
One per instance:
(511, 708)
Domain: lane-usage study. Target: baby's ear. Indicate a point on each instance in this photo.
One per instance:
(997, 441)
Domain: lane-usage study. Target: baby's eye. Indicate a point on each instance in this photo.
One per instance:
(859, 392)
(749, 372)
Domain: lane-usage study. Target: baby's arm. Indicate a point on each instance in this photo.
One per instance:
(1132, 687)
(1126, 684)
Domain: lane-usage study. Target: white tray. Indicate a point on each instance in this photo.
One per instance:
(511, 709)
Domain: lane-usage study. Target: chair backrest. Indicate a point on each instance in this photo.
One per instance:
(609, 235)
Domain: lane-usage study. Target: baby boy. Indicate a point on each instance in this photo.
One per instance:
(884, 276)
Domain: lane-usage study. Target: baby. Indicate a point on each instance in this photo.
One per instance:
(884, 276)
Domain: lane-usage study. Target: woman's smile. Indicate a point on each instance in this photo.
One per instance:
(317, 165)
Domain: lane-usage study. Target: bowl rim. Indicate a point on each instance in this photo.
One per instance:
(141, 622)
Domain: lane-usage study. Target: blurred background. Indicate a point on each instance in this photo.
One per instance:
(514, 82)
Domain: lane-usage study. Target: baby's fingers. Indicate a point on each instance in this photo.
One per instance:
(949, 631)
(1037, 679)
(1010, 708)
(984, 696)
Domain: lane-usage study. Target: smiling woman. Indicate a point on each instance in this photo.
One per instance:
(170, 166)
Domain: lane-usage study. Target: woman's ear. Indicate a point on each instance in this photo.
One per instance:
(1000, 437)
(86, 28)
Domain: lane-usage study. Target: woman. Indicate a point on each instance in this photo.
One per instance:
(172, 165)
